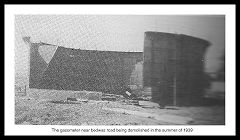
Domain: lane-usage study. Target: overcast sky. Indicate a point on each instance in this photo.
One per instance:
(114, 33)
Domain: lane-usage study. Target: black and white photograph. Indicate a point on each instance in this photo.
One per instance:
(119, 70)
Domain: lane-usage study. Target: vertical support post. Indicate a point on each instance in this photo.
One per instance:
(25, 90)
(174, 90)
(175, 77)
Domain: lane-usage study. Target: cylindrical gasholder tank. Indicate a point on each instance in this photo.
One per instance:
(174, 68)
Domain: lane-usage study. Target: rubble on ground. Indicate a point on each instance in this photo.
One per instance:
(89, 108)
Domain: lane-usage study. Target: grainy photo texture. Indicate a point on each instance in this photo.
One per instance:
(119, 69)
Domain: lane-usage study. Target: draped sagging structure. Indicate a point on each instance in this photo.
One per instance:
(76, 69)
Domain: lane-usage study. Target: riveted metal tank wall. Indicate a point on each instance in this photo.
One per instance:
(173, 67)
(191, 80)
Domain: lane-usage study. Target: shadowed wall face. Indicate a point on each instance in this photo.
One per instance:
(75, 69)
(37, 65)
(173, 67)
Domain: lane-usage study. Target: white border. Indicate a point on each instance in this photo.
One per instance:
(227, 10)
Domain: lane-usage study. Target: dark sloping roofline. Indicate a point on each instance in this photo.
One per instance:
(100, 50)
(207, 43)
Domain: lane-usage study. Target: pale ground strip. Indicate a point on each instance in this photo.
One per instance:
(36, 109)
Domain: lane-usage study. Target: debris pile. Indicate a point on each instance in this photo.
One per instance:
(109, 97)
(127, 97)
(108, 109)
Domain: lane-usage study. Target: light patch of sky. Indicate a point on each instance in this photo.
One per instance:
(114, 33)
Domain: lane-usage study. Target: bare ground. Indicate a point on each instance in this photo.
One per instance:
(32, 110)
